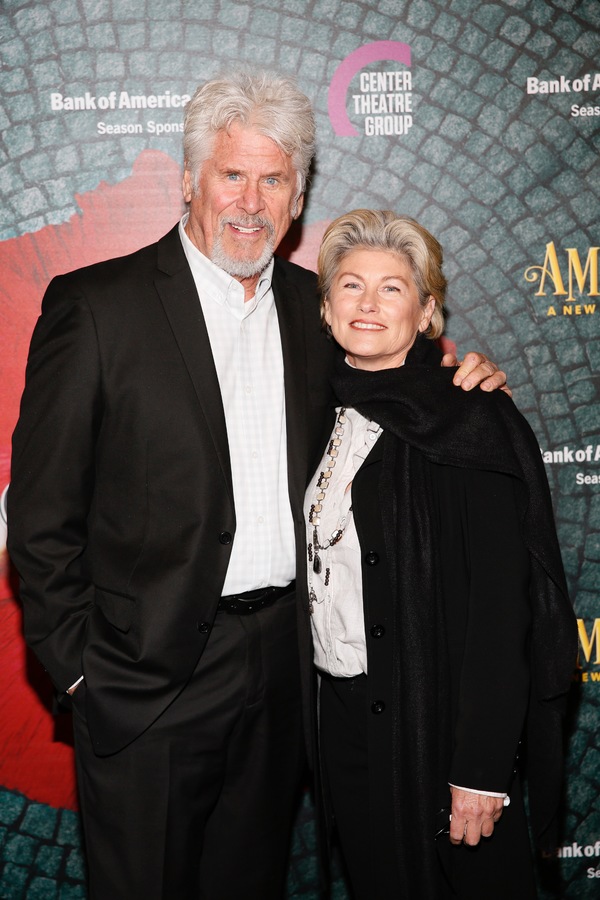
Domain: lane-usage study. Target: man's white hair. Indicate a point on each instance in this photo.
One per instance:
(271, 103)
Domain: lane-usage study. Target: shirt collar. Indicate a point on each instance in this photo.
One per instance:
(217, 284)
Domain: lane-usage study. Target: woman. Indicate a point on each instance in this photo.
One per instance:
(435, 586)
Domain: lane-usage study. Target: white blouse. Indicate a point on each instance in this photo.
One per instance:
(337, 618)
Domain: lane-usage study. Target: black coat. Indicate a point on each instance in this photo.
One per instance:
(484, 568)
(471, 638)
(121, 514)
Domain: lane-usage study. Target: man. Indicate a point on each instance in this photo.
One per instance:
(175, 401)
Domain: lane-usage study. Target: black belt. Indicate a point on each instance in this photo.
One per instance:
(252, 601)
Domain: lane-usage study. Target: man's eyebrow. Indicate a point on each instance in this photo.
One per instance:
(239, 170)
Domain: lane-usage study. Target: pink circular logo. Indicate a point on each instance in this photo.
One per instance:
(345, 72)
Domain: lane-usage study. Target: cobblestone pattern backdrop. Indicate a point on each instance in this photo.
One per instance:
(495, 173)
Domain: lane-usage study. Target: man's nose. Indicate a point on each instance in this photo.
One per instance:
(251, 200)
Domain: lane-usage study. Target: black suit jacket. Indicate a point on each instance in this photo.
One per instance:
(121, 512)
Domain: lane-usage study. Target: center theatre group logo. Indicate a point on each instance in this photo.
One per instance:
(564, 277)
(384, 98)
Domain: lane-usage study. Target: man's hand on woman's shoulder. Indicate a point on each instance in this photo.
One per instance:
(477, 369)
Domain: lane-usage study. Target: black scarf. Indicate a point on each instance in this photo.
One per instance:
(426, 419)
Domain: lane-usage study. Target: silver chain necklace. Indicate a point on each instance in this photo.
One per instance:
(315, 547)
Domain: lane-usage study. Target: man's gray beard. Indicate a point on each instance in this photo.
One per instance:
(243, 268)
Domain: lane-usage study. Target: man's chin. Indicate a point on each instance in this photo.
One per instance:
(242, 266)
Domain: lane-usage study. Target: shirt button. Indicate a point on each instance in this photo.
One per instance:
(203, 627)
(225, 537)
(377, 707)
(377, 631)
(371, 558)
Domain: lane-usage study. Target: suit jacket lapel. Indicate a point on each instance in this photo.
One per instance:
(177, 291)
(293, 342)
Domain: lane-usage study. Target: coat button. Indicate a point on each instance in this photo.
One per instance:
(203, 627)
(225, 537)
(377, 707)
(377, 631)
(371, 558)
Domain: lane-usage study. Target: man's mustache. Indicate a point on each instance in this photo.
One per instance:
(248, 222)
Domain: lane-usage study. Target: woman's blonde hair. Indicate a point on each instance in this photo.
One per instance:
(381, 229)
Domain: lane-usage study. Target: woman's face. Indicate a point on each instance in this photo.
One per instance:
(373, 309)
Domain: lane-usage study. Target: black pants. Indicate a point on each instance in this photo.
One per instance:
(371, 864)
(200, 806)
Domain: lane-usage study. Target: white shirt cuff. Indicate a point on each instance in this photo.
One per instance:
(504, 796)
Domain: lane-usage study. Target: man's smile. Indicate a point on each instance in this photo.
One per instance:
(243, 230)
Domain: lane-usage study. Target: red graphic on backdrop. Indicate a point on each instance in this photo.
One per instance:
(36, 756)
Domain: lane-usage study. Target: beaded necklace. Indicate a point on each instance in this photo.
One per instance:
(315, 547)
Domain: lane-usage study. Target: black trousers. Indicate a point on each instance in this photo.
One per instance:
(201, 805)
(371, 864)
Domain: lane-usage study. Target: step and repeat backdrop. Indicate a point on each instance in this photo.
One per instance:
(480, 119)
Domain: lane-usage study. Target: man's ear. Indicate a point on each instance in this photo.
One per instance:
(186, 185)
(298, 207)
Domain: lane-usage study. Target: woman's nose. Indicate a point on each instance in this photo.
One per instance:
(368, 301)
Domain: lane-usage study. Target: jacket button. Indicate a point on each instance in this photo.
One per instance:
(377, 631)
(203, 627)
(377, 707)
(371, 558)
(225, 537)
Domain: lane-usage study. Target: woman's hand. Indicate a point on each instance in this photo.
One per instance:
(476, 369)
(473, 816)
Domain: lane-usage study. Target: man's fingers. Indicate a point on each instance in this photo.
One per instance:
(495, 380)
(472, 361)
(449, 359)
(476, 369)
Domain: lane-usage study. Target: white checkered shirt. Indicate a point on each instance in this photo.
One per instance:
(246, 346)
